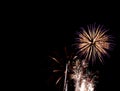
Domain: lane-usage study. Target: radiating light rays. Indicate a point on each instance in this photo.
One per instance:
(62, 67)
(77, 70)
(59, 69)
(93, 42)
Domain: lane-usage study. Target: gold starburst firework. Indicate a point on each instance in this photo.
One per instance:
(93, 42)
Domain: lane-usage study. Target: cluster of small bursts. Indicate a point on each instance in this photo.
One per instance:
(92, 43)
(84, 80)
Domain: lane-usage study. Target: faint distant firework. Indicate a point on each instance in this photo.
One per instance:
(93, 42)
(63, 68)
(75, 69)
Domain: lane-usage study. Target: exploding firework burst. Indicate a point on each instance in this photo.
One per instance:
(77, 70)
(93, 42)
(84, 79)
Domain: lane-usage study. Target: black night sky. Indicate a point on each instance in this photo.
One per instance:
(55, 28)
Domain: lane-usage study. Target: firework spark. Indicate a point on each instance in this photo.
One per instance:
(93, 43)
(84, 80)
(78, 71)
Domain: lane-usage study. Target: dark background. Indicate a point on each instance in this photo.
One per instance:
(59, 32)
(50, 29)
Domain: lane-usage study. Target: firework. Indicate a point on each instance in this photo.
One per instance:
(62, 67)
(77, 70)
(84, 79)
(93, 42)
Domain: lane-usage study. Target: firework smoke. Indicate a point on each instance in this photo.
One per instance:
(93, 42)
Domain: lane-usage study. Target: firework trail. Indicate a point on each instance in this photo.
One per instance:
(77, 70)
(93, 42)
(65, 79)
(63, 67)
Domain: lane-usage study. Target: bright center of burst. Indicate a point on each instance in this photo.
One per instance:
(92, 42)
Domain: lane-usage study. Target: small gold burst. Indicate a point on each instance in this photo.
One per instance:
(93, 42)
